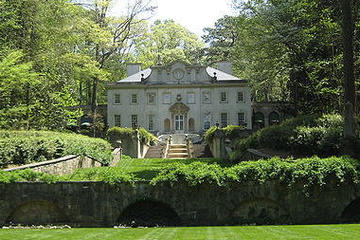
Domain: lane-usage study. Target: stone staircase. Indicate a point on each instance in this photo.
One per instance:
(178, 151)
(154, 152)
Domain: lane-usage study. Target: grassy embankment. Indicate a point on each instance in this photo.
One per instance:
(327, 232)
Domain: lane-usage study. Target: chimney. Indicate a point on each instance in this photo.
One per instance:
(133, 68)
(225, 66)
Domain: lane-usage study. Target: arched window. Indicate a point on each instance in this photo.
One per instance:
(191, 125)
(259, 120)
(274, 118)
(167, 125)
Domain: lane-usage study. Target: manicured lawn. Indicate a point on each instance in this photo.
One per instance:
(148, 168)
(351, 231)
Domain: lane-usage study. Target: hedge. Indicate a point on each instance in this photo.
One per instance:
(103, 174)
(306, 135)
(115, 134)
(231, 131)
(23, 147)
(307, 172)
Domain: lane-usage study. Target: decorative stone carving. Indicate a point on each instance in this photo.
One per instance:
(179, 108)
(178, 74)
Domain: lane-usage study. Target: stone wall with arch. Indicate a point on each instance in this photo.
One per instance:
(97, 204)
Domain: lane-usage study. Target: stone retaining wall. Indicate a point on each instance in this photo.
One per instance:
(60, 166)
(95, 204)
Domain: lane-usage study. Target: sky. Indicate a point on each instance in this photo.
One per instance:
(192, 14)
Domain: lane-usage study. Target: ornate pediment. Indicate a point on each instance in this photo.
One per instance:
(179, 108)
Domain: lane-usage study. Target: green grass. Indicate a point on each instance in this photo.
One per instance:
(328, 232)
(148, 168)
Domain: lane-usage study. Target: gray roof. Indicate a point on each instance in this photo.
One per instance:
(136, 77)
(221, 76)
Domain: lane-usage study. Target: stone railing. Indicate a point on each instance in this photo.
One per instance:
(60, 166)
(166, 147)
(67, 164)
(117, 153)
(189, 146)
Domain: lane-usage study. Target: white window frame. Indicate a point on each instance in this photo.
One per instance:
(225, 100)
(132, 99)
(151, 122)
(242, 99)
(117, 96)
(242, 123)
(134, 121)
(117, 122)
(221, 119)
(207, 121)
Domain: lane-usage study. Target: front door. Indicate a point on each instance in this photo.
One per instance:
(179, 123)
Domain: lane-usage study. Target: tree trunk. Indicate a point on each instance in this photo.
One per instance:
(349, 79)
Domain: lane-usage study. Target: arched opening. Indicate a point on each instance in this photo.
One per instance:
(261, 211)
(191, 125)
(167, 125)
(351, 213)
(259, 120)
(37, 213)
(274, 118)
(149, 213)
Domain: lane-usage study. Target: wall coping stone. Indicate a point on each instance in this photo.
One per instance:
(44, 163)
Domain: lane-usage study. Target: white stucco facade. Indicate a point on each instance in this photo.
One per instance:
(179, 98)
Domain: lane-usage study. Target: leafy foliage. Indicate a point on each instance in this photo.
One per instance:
(23, 147)
(105, 174)
(310, 135)
(307, 172)
(116, 133)
(231, 131)
(168, 41)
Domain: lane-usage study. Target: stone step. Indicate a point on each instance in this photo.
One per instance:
(154, 152)
(179, 150)
(171, 155)
(177, 145)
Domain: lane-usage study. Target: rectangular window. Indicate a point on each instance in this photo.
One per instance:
(151, 122)
(134, 121)
(117, 99)
(207, 121)
(206, 97)
(151, 98)
(240, 96)
(241, 119)
(134, 98)
(167, 98)
(117, 120)
(223, 97)
(191, 98)
(224, 120)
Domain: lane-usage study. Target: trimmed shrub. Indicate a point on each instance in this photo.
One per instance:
(231, 132)
(104, 174)
(307, 172)
(23, 147)
(116, 133)
(306, 135)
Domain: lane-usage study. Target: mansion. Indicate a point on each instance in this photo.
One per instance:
(179, 98)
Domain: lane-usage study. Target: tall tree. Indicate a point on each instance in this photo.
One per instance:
(349, 79)
(167, 41)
